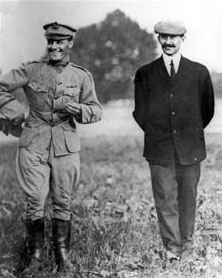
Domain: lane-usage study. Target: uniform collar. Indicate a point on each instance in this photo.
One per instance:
(64, 62)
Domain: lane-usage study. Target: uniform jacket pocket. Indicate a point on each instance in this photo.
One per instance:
(37, 94)
(72, 141)
(37, 87)
(72, 92)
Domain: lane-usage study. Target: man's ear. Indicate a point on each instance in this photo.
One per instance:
(71, 42)
(183, 38)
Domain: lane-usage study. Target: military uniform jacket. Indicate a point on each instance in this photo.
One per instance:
(174, 113)
(47, 89)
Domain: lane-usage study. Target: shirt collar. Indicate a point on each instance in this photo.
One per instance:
(176, 58)
(176, 61)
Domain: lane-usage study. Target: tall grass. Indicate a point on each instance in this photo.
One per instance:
(114, 225)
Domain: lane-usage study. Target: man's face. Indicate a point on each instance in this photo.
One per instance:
(170, 43)
(58, 49)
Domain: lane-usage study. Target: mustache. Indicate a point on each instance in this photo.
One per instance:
(168, 45)
(52, 50)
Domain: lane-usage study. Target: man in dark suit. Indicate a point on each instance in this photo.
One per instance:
(174, 102)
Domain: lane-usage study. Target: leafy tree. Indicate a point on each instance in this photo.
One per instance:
(112, 50)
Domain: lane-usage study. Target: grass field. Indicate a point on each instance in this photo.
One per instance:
(114, 227)
(115, 231)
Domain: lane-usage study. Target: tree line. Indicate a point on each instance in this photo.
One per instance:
(113, 50)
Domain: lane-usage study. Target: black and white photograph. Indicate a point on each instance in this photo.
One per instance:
(110, 139)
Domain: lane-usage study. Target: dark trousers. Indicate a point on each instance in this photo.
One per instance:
(175, 191)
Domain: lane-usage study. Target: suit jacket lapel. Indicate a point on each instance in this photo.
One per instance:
(182, 70)
(164, 76)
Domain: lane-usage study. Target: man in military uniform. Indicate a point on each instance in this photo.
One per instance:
(174, 102)
(59, 93)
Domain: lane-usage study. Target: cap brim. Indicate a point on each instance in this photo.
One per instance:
(58, 37)
(170, 33)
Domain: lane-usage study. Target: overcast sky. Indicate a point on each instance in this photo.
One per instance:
(22, 36)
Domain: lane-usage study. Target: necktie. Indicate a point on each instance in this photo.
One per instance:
(172, 70)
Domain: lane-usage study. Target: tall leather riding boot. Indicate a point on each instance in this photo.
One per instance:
(61, 232)
(32, 258)
(35, 237)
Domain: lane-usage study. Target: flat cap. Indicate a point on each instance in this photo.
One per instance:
(170, 28)
(58, 31)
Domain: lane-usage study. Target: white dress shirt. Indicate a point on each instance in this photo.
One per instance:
(176, 61)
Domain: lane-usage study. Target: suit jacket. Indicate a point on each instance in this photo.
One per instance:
(48, 89)
(174, 113)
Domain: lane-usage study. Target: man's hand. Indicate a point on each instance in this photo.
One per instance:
(13, 127)
(73, 108)
(16, 125)
(16, 130)
(5, 126)
(18, 120)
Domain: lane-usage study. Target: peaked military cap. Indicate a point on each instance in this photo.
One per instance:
(170, 28)
(58, 31)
